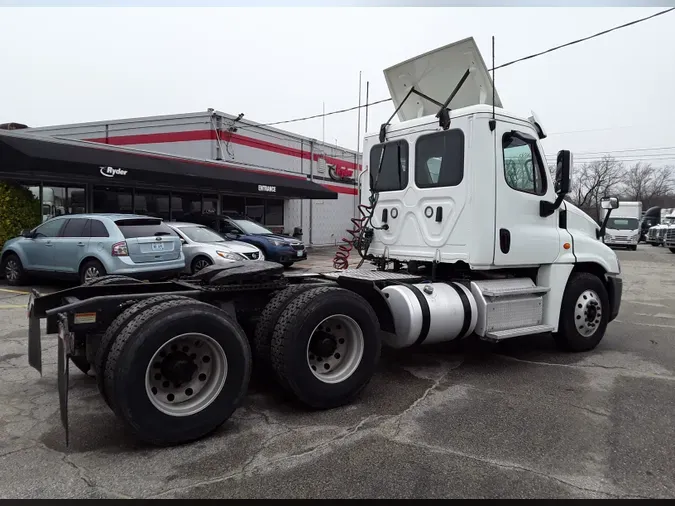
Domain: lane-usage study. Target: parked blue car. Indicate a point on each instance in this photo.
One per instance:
(86, 246)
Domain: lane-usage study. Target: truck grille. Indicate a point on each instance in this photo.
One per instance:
(652, 233)
(670, 236)
(662, 233)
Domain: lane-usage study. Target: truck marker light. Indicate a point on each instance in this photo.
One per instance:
(84, 318)
(567, 245)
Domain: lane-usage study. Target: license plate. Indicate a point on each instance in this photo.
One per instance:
(157, 246)
(300, 253)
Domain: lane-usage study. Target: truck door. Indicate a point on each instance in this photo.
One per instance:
(522, 235)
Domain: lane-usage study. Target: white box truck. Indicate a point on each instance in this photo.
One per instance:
(623, 227)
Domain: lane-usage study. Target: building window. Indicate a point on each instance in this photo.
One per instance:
(184, 205)
(210, 204)
(274, 212)
(523, 169)
(112, 200)
(392, 174)
(439, 159)
(255, 209)
(233, 204)
(151, 203)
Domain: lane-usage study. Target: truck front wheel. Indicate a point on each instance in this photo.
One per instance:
(177, 371)
(326, 346)
(584, 314)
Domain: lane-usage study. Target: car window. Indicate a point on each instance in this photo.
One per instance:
(97, 229)
(75, 227)
(49, 228)
(201, 234)
(144, 227)
(250, 227)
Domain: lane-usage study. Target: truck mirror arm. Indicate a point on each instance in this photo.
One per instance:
(601, 231)
(548, 208)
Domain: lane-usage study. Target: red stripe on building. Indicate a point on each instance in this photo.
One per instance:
(341, 189)
(209, 135)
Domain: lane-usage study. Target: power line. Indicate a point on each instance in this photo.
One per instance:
(604, 32)
(550, 50)
(626, 150)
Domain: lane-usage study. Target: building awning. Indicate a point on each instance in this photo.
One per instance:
(26, 152)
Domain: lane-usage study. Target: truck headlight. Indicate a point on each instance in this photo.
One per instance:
(228, 255)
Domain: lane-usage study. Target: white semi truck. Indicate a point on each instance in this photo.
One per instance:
(623, 227)
(464, 231)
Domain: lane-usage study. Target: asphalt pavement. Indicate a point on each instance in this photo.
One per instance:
(519, 420)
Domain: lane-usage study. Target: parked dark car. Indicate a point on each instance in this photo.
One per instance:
(279, 248)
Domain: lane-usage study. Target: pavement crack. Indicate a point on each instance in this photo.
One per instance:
(249, 468)
(416, 402)
(514, 467)
(591, 366)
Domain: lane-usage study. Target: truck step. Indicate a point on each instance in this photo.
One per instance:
(500, 335)
(509, 287)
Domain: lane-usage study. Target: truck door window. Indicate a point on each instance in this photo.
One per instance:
(393, 174)
(523, 169)
(439, 159)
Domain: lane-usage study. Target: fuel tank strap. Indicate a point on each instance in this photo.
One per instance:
(467, 309)
(426, 313)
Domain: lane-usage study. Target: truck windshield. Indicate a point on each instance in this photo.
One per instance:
(622, 223)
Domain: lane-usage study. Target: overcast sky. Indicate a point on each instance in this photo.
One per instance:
(67, 65)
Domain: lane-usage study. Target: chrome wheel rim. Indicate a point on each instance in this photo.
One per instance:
(91, 273)
(12, 270)
(335, 349)
(201, 264)
(186, 374)
(588, 313)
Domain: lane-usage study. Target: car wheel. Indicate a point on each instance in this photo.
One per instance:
(200, 263)
(287, 264)
(14, 273)
(672, 250)
(91, 270)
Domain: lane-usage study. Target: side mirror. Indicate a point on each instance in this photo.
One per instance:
(183, 241)
(26, 233)
(609, 203)
(562, 172)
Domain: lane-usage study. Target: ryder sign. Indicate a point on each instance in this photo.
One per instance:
(112, 171)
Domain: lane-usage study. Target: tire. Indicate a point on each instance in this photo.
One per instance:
(633, 248)
(568, 336)
(287, 264)
(13, 270)
(114, 329)
(128, 373)
(81, 363)
(200, 260)
(112, 279)
(291, 339)
(653, 244)
(672, 250)
(92, 268)
(262, 339)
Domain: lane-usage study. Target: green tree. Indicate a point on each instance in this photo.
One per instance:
(19, 209)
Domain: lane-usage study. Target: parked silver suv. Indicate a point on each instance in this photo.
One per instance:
(86, 246)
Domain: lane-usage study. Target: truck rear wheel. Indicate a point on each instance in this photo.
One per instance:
(177, 371)
(114, 329)
(262, 340)
(326, 346)
(584, 314)
(111, 279)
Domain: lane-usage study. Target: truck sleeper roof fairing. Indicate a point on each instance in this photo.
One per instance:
(435, 74)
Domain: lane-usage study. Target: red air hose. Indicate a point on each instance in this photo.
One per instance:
(341, 259)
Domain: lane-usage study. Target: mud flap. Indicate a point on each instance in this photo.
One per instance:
(34, 344)
(64, 351)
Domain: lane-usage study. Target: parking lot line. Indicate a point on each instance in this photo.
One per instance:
(11, 306)
(14, 291)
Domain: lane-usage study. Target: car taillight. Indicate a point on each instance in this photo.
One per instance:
(120, 249)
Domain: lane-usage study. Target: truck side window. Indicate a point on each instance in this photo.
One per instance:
(439, 159)
(523, 169)
(393, 174)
